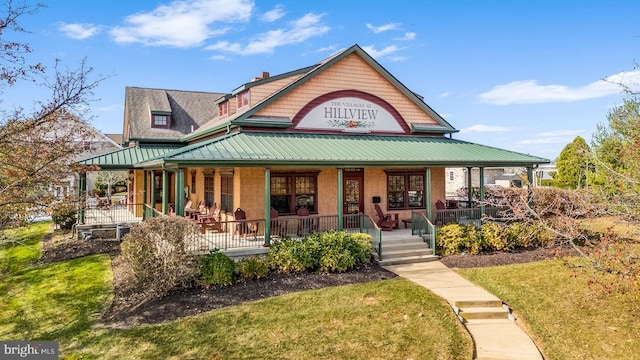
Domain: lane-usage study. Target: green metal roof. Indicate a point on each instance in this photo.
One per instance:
(307, 149)
(127, 157)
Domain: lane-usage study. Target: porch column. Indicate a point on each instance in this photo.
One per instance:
(165, 192)
(530, 186)
(144, 187)
(427, 192)
(82, 196)
(340, 200)
(482, 209)
(152, 175)
(469, 192)
(179, 192)
(267, 207)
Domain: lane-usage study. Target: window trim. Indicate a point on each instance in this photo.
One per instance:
(406, 175)
(223, 108)
(226, 192)
(243, 99)
(292, 190)
(167, 118)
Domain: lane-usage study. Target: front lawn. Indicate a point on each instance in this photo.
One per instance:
(566, 317)
(385, 319)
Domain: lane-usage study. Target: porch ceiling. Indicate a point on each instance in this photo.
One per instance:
(343, 150)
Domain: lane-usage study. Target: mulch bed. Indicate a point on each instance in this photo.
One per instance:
(128, 308)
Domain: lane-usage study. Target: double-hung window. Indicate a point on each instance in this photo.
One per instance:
(289, 192)
(405, 191)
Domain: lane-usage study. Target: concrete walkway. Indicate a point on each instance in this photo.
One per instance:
(493, 339)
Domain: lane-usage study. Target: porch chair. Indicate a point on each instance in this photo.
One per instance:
(306, 224)
(244, 227)
(278, 226)
(388, 221)
(440, 212)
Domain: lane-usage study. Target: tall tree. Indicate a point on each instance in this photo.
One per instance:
(36, 146)
(573, 165)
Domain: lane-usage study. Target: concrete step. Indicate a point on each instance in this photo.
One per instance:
(483, 313)
(406, 259)
(405, 245)
(478, 303)
(403, 252)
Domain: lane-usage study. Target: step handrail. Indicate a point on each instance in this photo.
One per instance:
(420, 226)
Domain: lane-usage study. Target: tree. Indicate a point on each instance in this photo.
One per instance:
(37, 146)
(109, 179)
(573, 164)
(616, 150)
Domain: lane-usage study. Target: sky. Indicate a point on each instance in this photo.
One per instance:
(527, 76)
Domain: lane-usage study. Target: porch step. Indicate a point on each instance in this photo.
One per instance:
(406, 259)
(413, 245)
(481, 312)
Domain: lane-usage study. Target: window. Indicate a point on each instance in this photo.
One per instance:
(193, 182)
(223, 108)
(289, 192)
(159, 121)
(208, 190)
(451, 175)
(226, 192)
(405, 191)
(243, 99)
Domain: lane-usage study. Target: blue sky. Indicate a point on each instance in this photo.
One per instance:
(520, 75)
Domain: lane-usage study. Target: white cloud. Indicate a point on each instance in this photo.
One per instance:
(182, 23)
(444, 95)
(298, 31)
(547, 140)
(79, 31)
(563, 133)
(486, 128)
(409, 36)
(273, 15)
(530, 92)
(382, 28)
(370, 49)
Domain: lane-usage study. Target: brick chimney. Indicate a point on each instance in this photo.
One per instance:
(263, 75)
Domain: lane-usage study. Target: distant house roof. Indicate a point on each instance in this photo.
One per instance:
(189, 110)
(116, 138)
(509, 177)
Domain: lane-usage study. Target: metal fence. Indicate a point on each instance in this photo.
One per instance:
(421, 226)
(112, 214)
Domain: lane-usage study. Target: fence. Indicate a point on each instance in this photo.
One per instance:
(113, 214)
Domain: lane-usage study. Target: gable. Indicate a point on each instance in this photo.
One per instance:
(351, 73)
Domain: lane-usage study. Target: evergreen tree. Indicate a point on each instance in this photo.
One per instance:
(573, 165)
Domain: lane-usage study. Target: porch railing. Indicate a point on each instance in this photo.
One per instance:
(421, 226)
(113, 214)
(150, 212)
(467, 215)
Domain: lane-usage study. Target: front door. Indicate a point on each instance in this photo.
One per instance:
(353, 184)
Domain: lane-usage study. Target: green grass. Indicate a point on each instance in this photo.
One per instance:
(383, 320)
(392, 319)
(566, 318)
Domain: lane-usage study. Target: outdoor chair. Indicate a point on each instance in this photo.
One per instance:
(387, 222)
(306, 224)
(278, 226)
(243, 227)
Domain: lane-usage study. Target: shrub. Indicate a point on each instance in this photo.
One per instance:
(290, 255)
(472, 242)
(527, 235)
(252, 268)
(493, 237)
(217, 268)
(450, 239)
(324, 252)
(156, 251)
(64, 215)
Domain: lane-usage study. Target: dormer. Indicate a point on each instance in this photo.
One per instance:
(223, 105)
